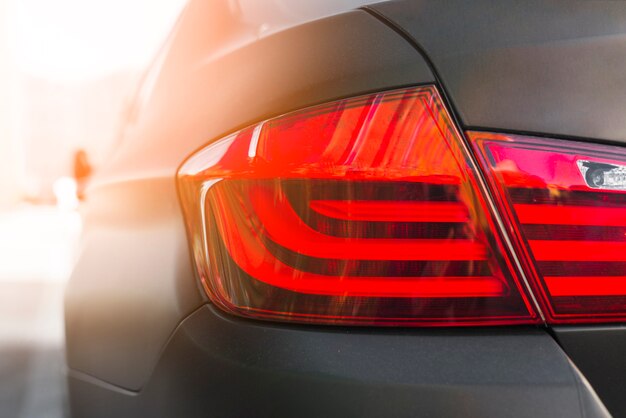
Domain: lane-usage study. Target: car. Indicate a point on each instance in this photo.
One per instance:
(347, 208)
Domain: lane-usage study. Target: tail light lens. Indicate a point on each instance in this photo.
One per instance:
(566, 203)
(361, 211)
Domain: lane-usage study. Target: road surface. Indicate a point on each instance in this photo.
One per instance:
(37, 245)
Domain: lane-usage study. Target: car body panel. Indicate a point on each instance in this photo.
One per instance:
(545, 67)
(598, 351)
(132, 284)
(229, 367)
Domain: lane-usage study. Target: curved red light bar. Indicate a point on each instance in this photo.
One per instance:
(390, 211)
(291, 232)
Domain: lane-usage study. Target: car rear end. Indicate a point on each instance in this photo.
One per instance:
(405, 209)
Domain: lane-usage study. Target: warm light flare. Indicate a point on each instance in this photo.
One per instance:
(82, 39)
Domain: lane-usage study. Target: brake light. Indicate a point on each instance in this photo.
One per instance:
(361, 211)
(566, 203)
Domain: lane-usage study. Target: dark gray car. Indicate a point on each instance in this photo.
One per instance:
(408, 208)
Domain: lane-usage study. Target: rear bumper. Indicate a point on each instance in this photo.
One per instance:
(214, 365)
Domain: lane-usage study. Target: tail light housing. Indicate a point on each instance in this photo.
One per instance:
(363, 211)
(566, 207)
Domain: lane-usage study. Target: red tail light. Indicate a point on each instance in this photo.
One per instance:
(566, 203)
(362, 211)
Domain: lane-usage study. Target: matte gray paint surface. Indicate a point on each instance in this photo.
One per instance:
(231, 367)
(549, 67)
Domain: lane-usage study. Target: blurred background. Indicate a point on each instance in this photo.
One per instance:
(67, 71)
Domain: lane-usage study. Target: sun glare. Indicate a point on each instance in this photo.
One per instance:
(68, 40)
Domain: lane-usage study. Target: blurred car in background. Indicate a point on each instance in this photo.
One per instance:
(408, 208)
